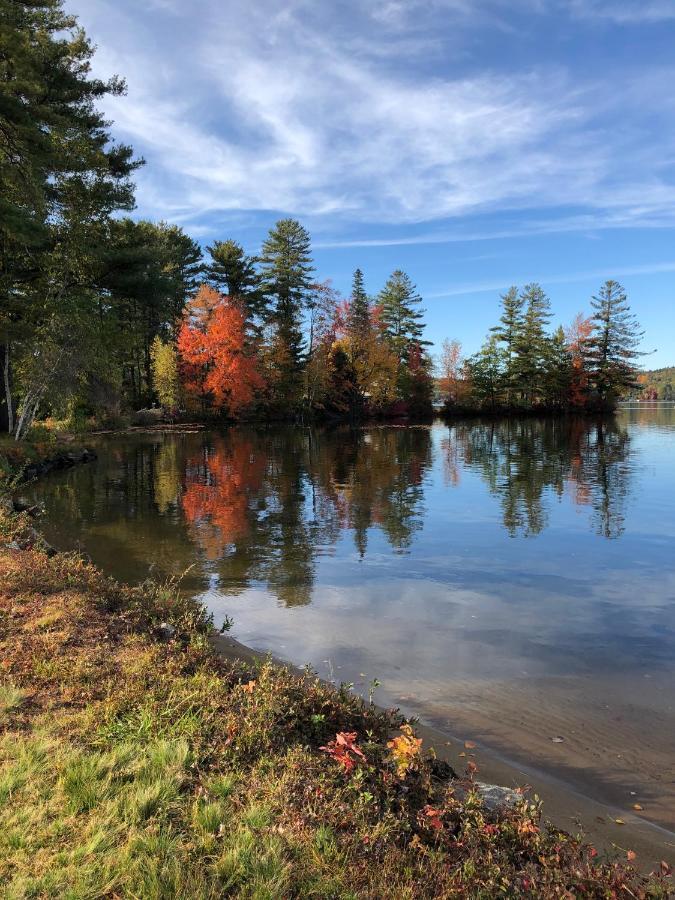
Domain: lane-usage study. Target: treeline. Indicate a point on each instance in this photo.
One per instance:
(261, 335)
(102, 315)
(523, 366)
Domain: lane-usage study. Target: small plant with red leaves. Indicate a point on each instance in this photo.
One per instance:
(344, 750)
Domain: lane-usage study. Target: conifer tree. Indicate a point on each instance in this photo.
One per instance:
(509, 333)
(532, 344)
(286, 272)
(358, 321)
(613, 344)
(233, 273)
(401, 316)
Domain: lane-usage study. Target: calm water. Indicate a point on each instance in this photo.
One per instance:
(510, 581)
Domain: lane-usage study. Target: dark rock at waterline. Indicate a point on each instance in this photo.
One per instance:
(63, 460)
(443, 771)
(19, 504)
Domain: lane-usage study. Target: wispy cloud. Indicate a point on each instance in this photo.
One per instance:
(493, 285)
(293, 108)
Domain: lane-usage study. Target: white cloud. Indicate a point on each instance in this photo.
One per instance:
(262, 107)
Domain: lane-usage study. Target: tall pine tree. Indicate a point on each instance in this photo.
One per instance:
(612, 348)
(508, 332)
(532, 345)
(286, 273)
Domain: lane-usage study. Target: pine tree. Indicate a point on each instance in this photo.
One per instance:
(232, 272)
(486, 370)
(358, 321)
(613, 344)
(532, 345)
(286, 269)
(509, 332)
(558, 377)
(401, 316)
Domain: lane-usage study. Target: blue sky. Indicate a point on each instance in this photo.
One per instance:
(473, 143)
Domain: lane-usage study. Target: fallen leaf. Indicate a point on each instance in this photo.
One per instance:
(665, 868)
(630, 855)
(558, 740)
(470, 745)
(619, 821)
(636, 806)
(461, 754)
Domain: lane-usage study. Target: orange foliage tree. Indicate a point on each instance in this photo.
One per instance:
(216, 361)
(577, 336)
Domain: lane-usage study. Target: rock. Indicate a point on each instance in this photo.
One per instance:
(443, 770)
(166, 631)
(496, 797)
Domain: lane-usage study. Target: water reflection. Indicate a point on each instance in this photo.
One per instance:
(524, 462)
(263, 506)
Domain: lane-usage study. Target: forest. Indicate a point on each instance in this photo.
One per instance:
(104, 315)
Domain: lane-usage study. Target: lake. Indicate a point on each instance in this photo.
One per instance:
(511, 581)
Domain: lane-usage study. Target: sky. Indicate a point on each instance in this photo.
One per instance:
(473, 143)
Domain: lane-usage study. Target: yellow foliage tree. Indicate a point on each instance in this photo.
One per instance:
(165, 373)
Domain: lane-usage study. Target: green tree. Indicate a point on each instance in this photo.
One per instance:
(532, 345)
(613, 344)
(667, 393)
(486, 370)
(286, 272)
(60, 179)
(402, 322)
(233, 273)
(358, 319)
(558, 375)
(508, 332)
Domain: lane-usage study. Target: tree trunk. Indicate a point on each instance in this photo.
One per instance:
(6, 410)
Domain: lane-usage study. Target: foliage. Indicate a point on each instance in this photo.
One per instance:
(165, 373)
(214, 354)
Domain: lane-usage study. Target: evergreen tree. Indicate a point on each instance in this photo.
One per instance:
(486, 371)
(558, 377)
(286, 269)
(613, 344)
(60, 179)
(532, 345)
(401, 316)
(509, 332)
(233, 273)
(358, 320)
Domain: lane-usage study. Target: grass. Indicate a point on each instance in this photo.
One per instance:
(137, 767)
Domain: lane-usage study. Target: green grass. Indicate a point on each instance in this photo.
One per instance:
(140, 768)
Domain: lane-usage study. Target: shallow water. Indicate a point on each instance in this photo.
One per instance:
(510, 581)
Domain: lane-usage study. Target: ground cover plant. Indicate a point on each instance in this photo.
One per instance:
(134, 762)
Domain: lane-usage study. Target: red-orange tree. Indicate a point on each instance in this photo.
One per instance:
(216, 362)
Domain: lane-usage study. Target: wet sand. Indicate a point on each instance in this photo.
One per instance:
(513, 732)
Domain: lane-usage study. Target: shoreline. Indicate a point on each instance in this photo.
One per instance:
(563, 805)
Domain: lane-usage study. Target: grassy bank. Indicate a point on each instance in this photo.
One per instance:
(134, 762)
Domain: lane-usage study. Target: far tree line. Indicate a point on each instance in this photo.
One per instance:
(101, 314)
(523, 365)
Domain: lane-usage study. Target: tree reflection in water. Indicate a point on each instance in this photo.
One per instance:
(524, 460)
